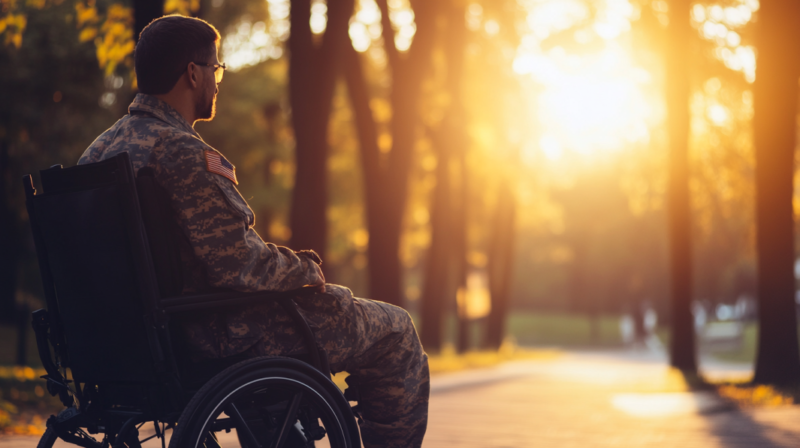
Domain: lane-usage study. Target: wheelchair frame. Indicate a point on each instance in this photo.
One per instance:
(158, 393)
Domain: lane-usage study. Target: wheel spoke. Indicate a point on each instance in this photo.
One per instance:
(241, 426)
(211, 440)
(288, 422)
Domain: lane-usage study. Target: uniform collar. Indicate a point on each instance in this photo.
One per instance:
(161, 110)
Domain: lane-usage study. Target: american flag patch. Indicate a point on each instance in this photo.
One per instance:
(217, 164)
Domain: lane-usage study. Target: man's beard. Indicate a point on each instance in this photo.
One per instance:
(206, 107)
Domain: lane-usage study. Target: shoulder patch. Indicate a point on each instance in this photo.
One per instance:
(217, 164)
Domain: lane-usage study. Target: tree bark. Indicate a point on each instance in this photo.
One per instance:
(438, 263)
(386, 181)
(461, 246)
(682, 344)
(313, 72)
(501, 267)
(775, 103)
(23, 324)
(9, 242)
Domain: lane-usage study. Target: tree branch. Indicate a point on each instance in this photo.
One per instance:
(365, 121)
(388, 36)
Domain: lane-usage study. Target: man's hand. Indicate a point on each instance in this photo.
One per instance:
(310, 254)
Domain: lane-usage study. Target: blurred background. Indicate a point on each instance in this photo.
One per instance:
(558, 173)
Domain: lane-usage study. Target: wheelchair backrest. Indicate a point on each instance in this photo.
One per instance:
(96, 268)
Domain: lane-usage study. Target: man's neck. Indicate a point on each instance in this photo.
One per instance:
(182, 103)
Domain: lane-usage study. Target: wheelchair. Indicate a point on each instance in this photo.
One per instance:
(111, 269)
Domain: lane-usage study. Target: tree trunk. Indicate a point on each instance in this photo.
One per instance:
(438, 264)
(682, 344)
(312, 78)
(9, 242)
(775, 102)
(386, 181)
(463, 336)
(501, 267)
(23, 324)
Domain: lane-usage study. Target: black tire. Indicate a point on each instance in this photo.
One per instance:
(266, 399)
(48, 439)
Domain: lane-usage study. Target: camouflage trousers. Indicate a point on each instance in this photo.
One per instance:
(374, 342)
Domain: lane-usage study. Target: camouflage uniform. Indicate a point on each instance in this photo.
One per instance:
(375, 342)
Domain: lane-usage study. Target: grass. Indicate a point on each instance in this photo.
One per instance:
(450, 361)
(564, 330)
(549, 329)
(746, 353)
(758, 395)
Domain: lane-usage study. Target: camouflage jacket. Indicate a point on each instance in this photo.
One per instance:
(220, 248)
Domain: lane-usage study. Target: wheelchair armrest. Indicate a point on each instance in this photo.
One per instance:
(224, 299)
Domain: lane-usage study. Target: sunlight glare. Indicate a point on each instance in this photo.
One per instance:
(247, 43)
(718, 114)
(718, 24)
(366, 29)
(251, 43)
(586, 103)
(319, 16)
(658, 405)
(474, 16)
(548, 17)
(550, 147)
(614, 19)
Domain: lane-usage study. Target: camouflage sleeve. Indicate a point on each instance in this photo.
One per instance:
(219, 225)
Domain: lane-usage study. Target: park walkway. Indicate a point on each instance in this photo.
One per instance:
(598, 400)
(586, 400)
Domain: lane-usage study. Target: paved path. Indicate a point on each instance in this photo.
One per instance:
(588, 400)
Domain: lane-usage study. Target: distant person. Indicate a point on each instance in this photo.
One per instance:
(178, 73)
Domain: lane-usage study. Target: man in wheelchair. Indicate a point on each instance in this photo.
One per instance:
(178, 74)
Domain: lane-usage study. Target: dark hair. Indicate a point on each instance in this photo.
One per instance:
(165, 48)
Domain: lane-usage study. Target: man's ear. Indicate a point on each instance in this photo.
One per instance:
(193, 75)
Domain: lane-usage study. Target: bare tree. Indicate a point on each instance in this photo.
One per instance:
(386, 177)
(501, 256)
(775, 103)
(682, 344)
(446, 264)
(438, 292)
(313, 70)
(9, 240)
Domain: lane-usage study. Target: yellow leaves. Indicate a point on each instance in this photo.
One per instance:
(20, 373)
(36, 4)
(12, 26)
(748, 395)
(87, 34)
(449, 361)
(86, 14)
(115, 40)
(184, 7)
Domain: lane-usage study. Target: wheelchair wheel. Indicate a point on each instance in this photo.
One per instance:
(268, 402)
